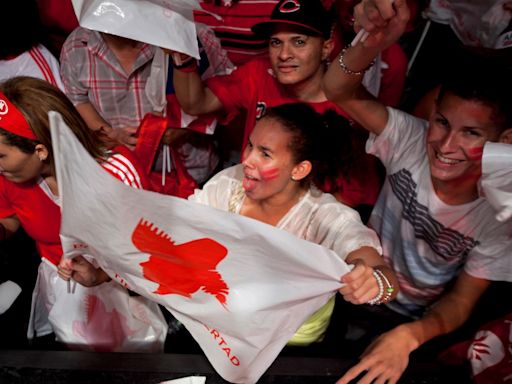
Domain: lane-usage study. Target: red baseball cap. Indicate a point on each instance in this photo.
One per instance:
(309, 15)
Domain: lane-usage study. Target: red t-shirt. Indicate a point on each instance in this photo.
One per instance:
(252, 88)
(38, 211)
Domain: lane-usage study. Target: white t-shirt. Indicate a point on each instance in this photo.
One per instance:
(36, 62)
(425, 240)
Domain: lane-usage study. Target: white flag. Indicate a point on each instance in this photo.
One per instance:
(496, 180)
(241, 287)
(164, 23)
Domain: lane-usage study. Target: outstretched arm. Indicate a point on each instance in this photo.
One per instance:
(194, 97)
(388, 356)
(385, 21)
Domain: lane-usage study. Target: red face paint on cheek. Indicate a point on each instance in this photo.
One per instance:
(270, 173)
(475, 153)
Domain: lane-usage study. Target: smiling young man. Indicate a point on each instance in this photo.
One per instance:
(438, 234)
(298, 32)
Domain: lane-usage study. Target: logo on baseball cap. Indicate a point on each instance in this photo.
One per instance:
(309, 15)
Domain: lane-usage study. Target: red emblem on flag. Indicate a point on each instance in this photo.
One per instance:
(180, 269)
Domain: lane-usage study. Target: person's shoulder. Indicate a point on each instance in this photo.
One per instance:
(326, 105)
(327, 204)
(218, 191)
(122, 163)
(11, 189)
(259, 65)
(78, 38)
(123, 151)
(252, 71)
(45, 52)
(4, 183)
(402, 119)
(397, 112)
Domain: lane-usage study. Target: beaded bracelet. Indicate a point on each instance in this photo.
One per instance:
(384, 294)
(388, 291)
(347, 70)
(378, 298)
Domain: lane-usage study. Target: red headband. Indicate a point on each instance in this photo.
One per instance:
(12, 120)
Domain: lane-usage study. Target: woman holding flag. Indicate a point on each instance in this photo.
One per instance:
(290, 151)
(29, 195)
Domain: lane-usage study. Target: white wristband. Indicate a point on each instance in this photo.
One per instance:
(378, 298)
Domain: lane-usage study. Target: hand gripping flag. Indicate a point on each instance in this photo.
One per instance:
(241, 287)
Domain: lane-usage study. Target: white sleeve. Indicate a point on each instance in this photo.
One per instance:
(401, 142)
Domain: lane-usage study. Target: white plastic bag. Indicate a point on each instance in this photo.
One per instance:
(476, 23)
(164, 23)
(496, 181)
(104, 318)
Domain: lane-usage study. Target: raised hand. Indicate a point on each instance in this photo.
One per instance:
(384, 20)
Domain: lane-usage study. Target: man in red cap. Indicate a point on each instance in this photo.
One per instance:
(299, 33)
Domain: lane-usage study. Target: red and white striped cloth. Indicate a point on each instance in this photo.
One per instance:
(122, 168)
(36, 62)
(233, 28)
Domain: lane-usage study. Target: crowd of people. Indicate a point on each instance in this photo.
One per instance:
(329, 146)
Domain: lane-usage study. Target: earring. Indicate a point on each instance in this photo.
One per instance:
(293, 178)
(42, 158)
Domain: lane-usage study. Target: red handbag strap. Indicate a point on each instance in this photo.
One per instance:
(151, 130)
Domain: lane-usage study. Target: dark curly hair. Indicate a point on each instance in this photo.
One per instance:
(328, 141)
